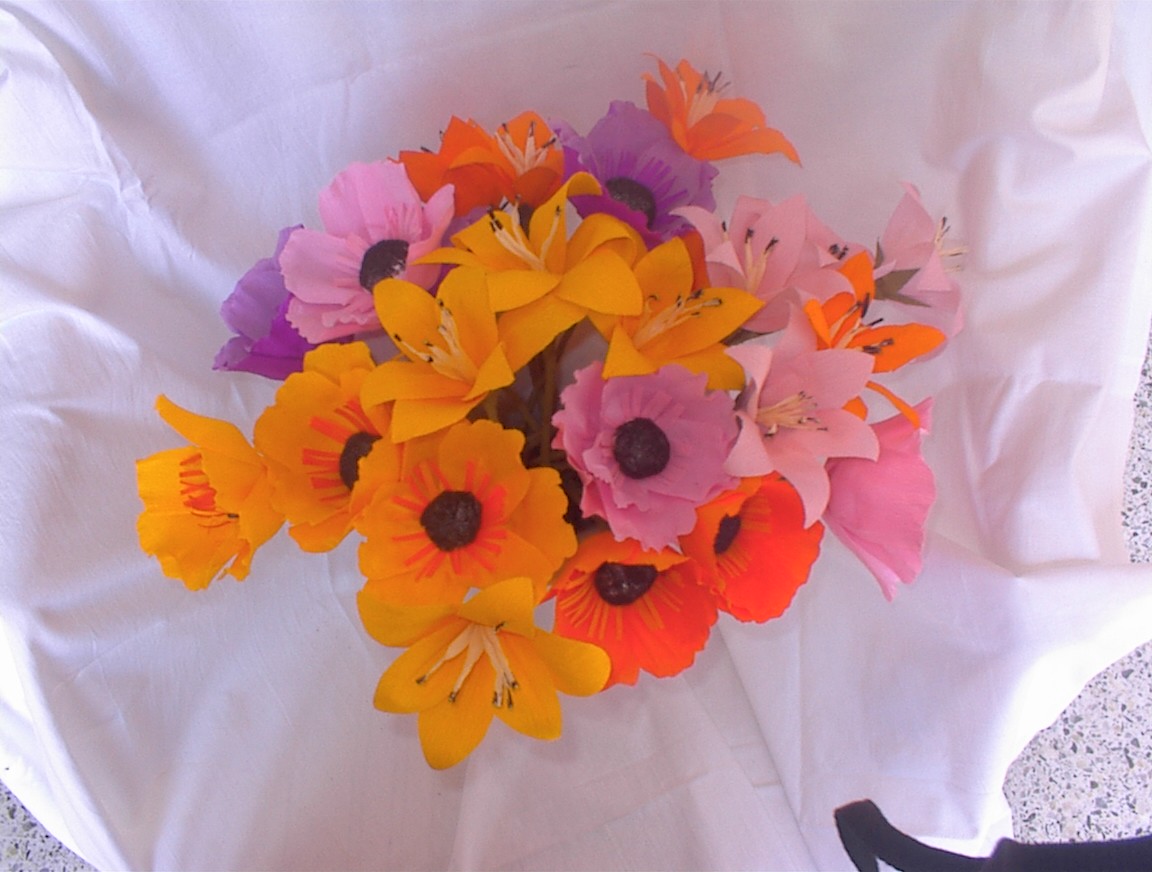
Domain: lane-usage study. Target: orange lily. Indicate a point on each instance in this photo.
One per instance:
(520, 163)
(839, 323)
(705, 125)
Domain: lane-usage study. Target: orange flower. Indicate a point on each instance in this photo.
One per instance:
(706, 126)
(321, 445)
(464, 513)
(521, 163)
(751, 545)
(645, 608)
(207, 507)
(839, 323)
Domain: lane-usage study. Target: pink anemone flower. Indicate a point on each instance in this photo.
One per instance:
(878, 509)
(792, 415)
(375, 226)
(648, 449)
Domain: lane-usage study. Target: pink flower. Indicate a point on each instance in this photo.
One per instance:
(878, 508)
(648, 449)
(375, 227)
(781, 253)
(911, 268)
(792, 415)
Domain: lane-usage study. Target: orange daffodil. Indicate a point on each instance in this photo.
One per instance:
(561, 407)
(207, 507)
(706, 125)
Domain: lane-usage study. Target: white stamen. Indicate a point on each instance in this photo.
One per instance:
(795, 413)
(474, 641)
(450, 360)
(671, 316)
(515, 241)
(530, 157)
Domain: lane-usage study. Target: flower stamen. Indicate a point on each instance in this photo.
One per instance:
(450, 360)
(474, 641)
(794, 413)
(682, 309)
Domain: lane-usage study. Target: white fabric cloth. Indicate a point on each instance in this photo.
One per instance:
(151, 152)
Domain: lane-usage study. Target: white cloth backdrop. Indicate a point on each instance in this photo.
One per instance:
(149, 153)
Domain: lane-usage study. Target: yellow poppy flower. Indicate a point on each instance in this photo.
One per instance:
(540, 279)
(465, 513)
(207, 507)
(680, 324)
(455, 354)
(467, 663)
(320, 444)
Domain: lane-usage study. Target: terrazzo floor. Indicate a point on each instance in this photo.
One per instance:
(1084, 778)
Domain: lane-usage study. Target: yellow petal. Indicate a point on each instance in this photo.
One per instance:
(410, 312)
(578, 668)
(603, 282)
(495, 372)
(393, 622)
(449, 731)
(512, 289)
(333, 360)
(202, 430)
(533, 707)
(510, 602)
(405, 380)
(601, 232)
(412, 418)
(623, 358)
(665, 272)
(407, 686)
(528, 330)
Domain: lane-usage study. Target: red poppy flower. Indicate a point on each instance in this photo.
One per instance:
(751, 545)
(645, 608)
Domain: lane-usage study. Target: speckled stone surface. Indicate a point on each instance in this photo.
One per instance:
(1087, 776)
(1084, 778)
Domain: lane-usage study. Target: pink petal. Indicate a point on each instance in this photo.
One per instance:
(878, 509)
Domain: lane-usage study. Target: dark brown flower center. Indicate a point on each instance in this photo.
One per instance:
(641, 448)
(452, 519)
(384, 260)
(726, 533)
(633, 195)
(621, 584)
(355, 449)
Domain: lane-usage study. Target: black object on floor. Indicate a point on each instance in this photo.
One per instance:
(867, 836)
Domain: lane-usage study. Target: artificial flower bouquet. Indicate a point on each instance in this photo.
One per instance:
(537, 367)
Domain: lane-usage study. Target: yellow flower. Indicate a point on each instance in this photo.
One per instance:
(680, 324)
(465, 513)
(207, 507)
(470, 662)
(455, 354)
(325, 452)
(540, 279)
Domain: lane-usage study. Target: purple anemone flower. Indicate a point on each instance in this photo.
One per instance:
(256, 310)
(649, 449)
(645, 174)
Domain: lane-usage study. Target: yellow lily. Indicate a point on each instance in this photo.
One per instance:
(542, 281)
(455, 353)
(469, 663)
(680, 324)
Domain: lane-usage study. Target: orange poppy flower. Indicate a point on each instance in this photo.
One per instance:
(207, 507)
(520, 163)
(465, 512)
(751, 545)
(647, 609)
(320, 443)
(706, 125)
(839, 323)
